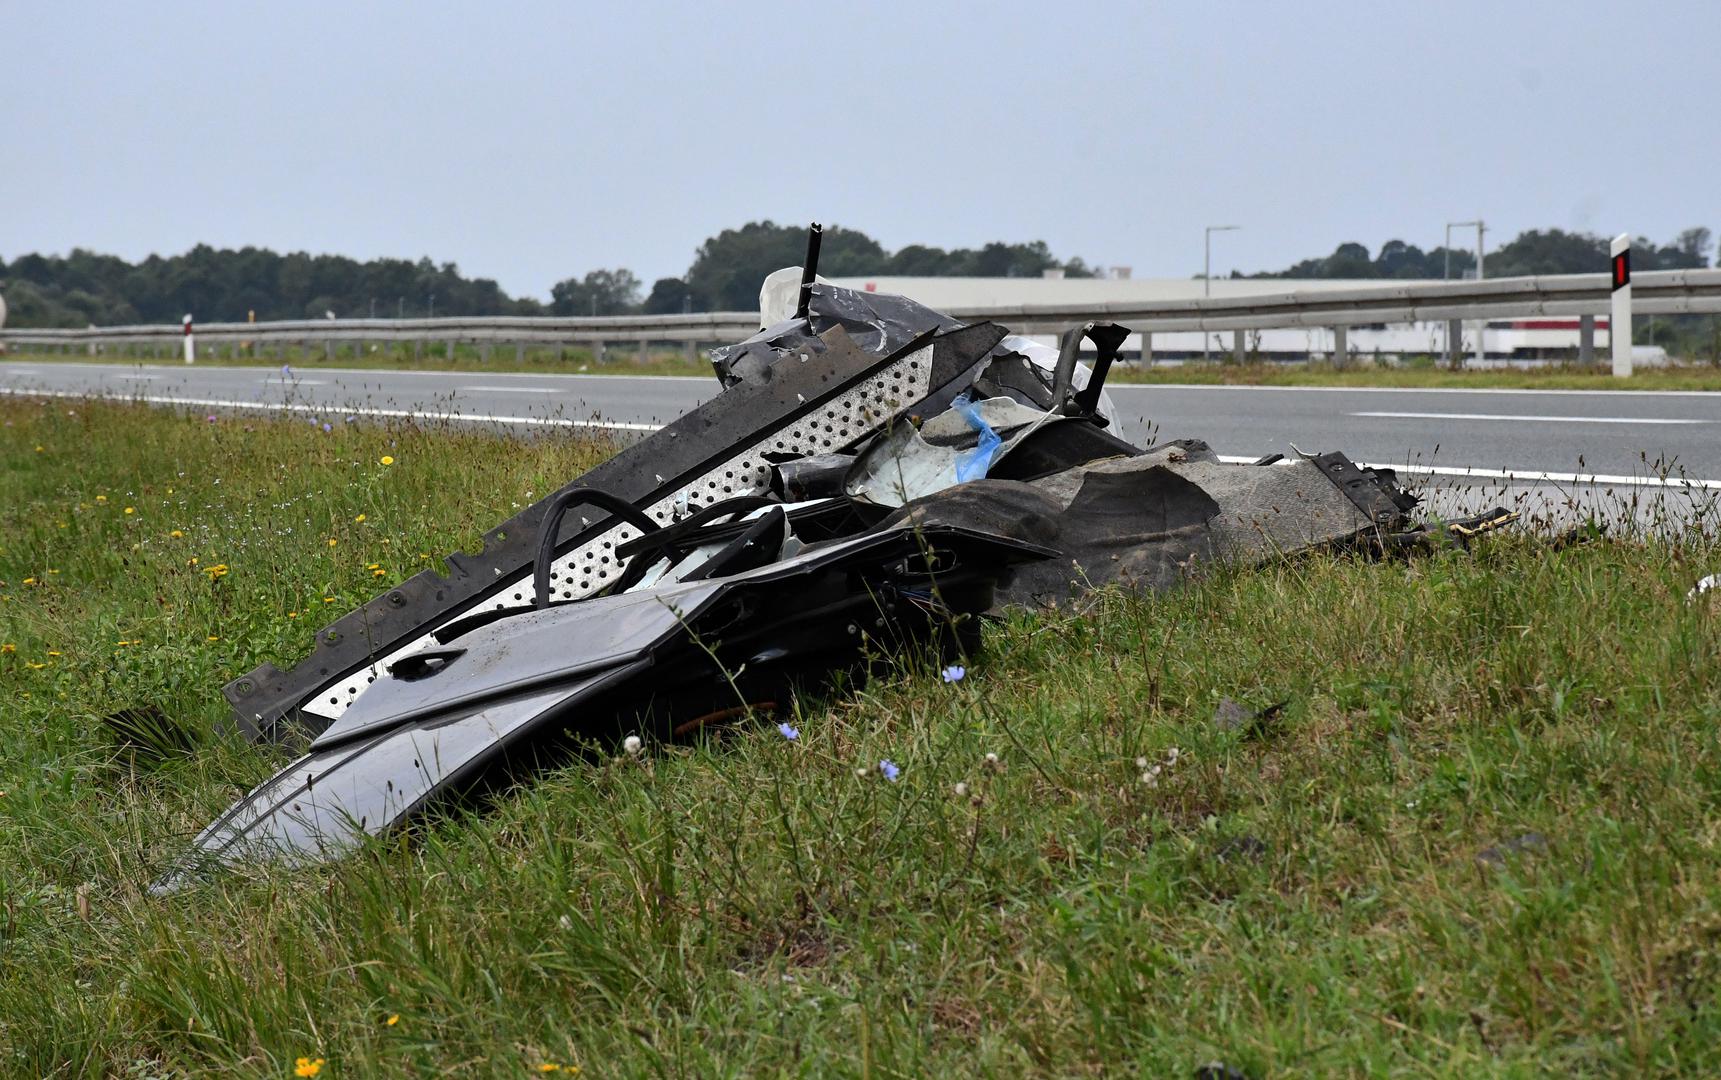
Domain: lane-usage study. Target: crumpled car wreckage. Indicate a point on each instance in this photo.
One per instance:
(873, 480)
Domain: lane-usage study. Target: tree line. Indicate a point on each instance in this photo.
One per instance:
(225, 285)
(1535, 251)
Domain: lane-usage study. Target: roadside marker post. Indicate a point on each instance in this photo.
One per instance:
(1619, 318)
(190, 345)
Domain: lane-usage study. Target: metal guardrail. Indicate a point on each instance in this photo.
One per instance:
(1661, 292)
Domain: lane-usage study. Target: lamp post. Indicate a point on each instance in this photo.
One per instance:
(1481, 327)
(1207, 273)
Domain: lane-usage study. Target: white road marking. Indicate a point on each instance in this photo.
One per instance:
(1525, 476)
(338, 410)
(1533, 419)
(136, 378)
(295, 381)
(513, 389)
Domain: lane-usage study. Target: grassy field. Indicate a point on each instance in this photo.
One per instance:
(1479, 838)
(1418, 374)
(619, 361)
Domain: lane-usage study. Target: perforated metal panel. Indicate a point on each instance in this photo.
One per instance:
(590, 567)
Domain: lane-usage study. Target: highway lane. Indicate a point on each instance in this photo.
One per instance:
(1616, 434)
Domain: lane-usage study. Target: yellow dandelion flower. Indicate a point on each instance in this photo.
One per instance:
(38, 449)
(125, 643)
(372, 566)
(328, 599)
(333, 541)
(212, 637)
(8, 648)
(359, 520)
(101, 498)
(308, 1066)
(131, 509)
(392, 1020)
(548, 1067)
(29, 581)
(219, 570)
(33, 666)
(378, 573)
(55, 652)
(53, 571)
(177, 535)
(387, 460)
(292, 614)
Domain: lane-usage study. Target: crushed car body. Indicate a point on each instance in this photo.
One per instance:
(873, 478)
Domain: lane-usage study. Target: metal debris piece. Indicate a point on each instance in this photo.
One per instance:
(874, 476)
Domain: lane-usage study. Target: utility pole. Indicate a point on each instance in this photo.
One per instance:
(1481, 327)
(1207, 273)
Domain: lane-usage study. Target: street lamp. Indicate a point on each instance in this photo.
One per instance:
(1481, 327)
(1207, 272)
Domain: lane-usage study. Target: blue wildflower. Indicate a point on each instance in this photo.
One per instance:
(889, 769)
(328, 427)
(788, 732)
(954, 673)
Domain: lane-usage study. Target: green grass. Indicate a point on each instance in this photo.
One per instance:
(621, 360)
(1301, 897)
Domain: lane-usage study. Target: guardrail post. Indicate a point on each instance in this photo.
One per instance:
(519, 352)
(1146, 348)
(1586, 339)
(1239, 352)
(451, 350)
(1619, 319)
(1455, 344)
(1341, 349)
(690, 350)
(598, 352)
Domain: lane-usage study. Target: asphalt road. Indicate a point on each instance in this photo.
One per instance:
(1547, 446)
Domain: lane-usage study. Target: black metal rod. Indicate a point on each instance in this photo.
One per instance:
(809, 270)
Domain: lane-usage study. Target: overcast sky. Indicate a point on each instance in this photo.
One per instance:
(529, 142)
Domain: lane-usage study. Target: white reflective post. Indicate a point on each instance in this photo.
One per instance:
(1619, 319)
(190, 343)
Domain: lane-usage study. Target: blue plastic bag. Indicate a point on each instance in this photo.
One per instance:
(973, 464)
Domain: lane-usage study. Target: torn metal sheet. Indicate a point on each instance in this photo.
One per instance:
(719, 450)
(533, 685)
(1156, 519)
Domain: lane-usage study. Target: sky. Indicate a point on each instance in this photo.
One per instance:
(534, 141)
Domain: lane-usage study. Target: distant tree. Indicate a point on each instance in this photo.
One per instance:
(729, 267)
(1694, 245)
(668, 296)
(918, 260)
(1548, 251)
(600, 292)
